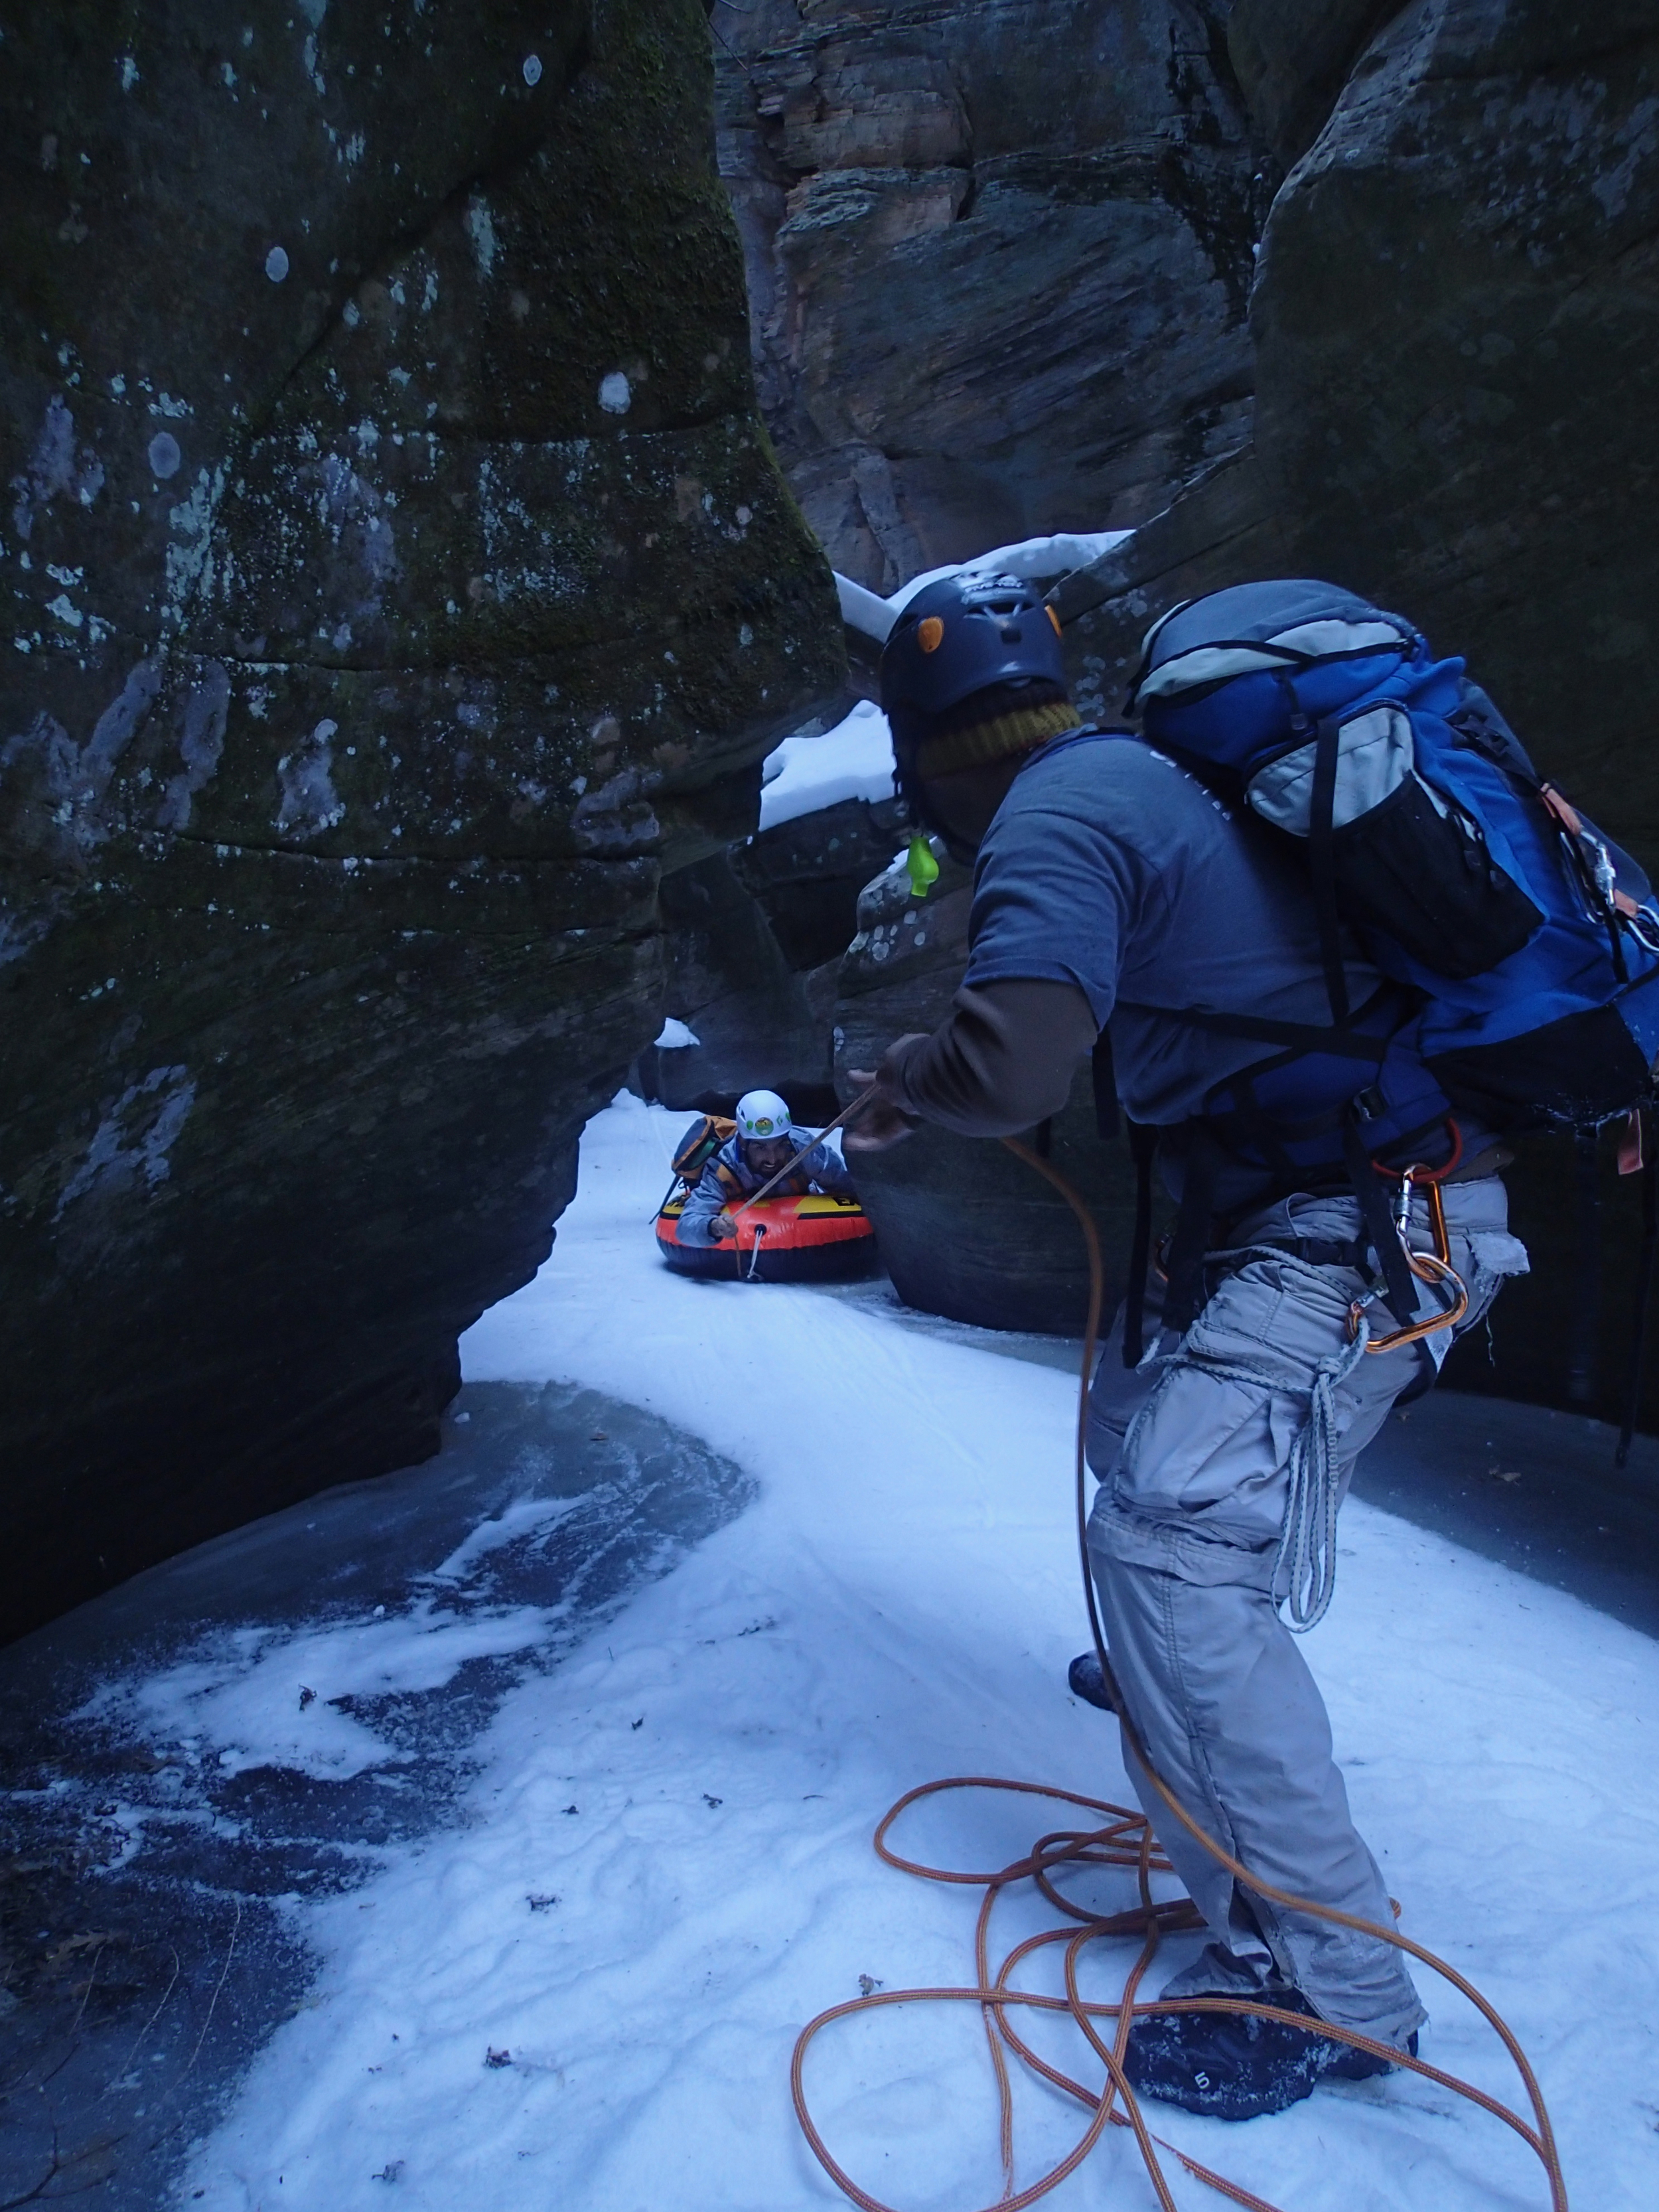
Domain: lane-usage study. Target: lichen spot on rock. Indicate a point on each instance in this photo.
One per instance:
(533, 68)
(615, 393)
(481, 229)
(310, 802)
(277, 264)
(164, 454)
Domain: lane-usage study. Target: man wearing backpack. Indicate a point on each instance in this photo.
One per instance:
(1198, 922)
(764, 1140)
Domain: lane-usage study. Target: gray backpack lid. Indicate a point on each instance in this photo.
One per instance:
(1286, 623)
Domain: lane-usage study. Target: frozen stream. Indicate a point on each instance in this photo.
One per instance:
(274, 1718)
(525, 1904)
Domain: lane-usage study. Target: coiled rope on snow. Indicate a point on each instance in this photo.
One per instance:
(1125, 1840)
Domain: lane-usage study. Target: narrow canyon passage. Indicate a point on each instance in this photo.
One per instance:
(537, 1885)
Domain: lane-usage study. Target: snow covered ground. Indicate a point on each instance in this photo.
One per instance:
(586, 1994)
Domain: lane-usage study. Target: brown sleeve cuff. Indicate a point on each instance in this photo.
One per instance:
(1003, 1061)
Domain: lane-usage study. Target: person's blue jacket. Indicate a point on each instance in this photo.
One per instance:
(728, 1176)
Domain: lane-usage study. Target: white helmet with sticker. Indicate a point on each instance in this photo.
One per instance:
(762, 1116)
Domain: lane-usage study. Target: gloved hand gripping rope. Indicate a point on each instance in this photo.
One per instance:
(1307, 1553)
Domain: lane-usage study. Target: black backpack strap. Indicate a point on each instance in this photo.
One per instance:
(1583, 1330)
(1321, 865)
(1477, 727)
(1105, 1085)
(1184, 1298)
(1300, 1038)
(1143, 1149)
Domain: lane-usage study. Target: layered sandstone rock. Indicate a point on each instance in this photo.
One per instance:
(400, 581)
(1456, 325)
(999, 254)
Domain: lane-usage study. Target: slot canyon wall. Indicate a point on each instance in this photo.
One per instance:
(401, 585)
(998, 257)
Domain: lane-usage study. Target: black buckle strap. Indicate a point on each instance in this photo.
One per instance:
(1104, 1078)
(1302, 1036)
(1323, 1251)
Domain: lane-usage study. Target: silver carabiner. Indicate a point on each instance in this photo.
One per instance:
(1402, 1211)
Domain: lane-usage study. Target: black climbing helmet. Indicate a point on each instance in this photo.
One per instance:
(961, 634)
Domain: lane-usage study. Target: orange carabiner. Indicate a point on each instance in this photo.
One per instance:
(1434, 1268)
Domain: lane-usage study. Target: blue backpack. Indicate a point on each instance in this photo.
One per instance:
(1521, 945)
(1528, 940)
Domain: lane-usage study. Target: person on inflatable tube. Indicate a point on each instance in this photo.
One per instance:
(1113, 892)
(766, 1140)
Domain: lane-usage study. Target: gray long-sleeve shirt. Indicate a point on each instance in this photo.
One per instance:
(1111, 886)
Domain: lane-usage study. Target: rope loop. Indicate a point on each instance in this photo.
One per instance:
(1304, 1570)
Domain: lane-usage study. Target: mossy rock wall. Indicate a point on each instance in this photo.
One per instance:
(400, 582)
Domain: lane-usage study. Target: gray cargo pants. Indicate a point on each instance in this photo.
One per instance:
(1194, 1451)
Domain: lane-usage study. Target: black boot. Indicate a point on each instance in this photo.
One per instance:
(1088, 1682)
(1234, 2066)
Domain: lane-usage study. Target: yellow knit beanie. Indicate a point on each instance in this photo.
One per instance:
(998, 739)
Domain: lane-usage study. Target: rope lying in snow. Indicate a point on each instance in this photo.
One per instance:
(1125, 1841)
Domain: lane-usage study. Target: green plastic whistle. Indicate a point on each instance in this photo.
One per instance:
(923, 867)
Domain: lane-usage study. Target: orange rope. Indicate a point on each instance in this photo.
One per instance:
(1125, 1841)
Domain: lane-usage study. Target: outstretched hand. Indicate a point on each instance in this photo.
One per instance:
(882, 1122)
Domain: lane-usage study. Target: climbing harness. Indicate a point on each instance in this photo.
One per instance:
(1125, 1841)
(1434, 1268)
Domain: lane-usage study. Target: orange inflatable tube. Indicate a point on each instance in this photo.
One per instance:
(780, 1239)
